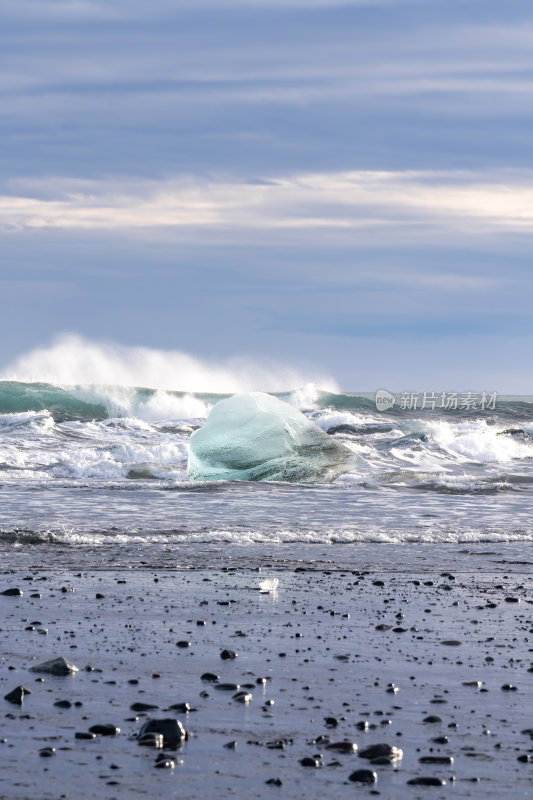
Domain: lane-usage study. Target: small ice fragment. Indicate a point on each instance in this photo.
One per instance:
(269, 585)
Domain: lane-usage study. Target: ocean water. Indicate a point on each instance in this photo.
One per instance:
(105, 466)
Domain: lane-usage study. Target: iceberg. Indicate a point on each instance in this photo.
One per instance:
(256, 437)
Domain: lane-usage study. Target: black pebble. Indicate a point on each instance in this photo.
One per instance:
(310, 761)
(17, 695)
(209, 677)
(342, 747)
(386, 751)
(181, 708)
(426, 781)
(172, 731)
(165, 763)
(142, 707)
(104, 730)
(363, 776)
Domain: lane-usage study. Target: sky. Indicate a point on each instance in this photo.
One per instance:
(343, 189)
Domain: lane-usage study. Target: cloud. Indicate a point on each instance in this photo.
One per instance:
(303, 204)
(101, 9)
(353, 62)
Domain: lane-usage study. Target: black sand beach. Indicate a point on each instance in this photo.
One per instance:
(433, 660)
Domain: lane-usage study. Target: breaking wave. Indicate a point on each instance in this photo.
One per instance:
(72, 360)
(270, 537)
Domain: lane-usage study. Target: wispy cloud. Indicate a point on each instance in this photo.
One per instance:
(304, 203)
(457, 57)
(100, 9)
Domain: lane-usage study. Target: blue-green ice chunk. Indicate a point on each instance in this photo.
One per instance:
(256, 437)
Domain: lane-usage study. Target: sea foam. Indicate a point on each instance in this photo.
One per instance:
(72, 360)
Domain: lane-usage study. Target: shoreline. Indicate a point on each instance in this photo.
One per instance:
(318, 663)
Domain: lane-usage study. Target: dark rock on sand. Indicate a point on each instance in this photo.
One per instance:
(342, 747)
(142, 707)
(242, 697)
(381, 761)
(171, 729)
(527, 758)
(181, 708)
(63, 704)
(16, 696)
(363, 776)
(436, 760)
(47, 752)
(57, 666)
(84, 735)
(426, 781)
(311, 761)
(432, 719)
(209, 677)
(165, 763)
(14, 592)
(274, 782)
(387, 751)
(228, 655)
(104, 730)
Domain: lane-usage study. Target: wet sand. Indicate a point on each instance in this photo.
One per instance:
(358, 655)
